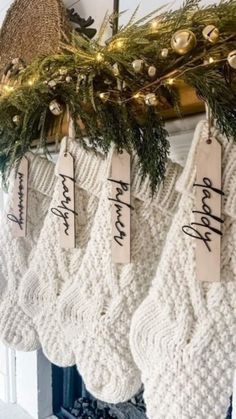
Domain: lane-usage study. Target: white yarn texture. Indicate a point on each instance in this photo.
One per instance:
(183, 335)
(96, 310)
(16, 328)
(53, 268)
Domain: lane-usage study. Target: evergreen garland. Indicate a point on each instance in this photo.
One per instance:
(98, 84)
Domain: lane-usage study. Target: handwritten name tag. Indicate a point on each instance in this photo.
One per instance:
(120, 210)
(65, 209)
(208, 222)
(18, 216)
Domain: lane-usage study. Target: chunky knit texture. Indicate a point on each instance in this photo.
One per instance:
(183, 335)
(97, 309)
(16, 328)
(53, 268)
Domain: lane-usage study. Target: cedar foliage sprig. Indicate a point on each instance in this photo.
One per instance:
(123, 118)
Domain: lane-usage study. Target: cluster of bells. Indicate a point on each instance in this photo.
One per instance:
(182, 42)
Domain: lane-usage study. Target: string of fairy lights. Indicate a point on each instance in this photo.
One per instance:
(182, 42)
(116, 91)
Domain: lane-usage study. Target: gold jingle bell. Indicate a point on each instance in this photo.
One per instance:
(232, 59)
(17, 120)
(152, 71)
(211, 33)
(183, 41)
(138, 65)
(151, 99)
(164, 53)
(55, 107)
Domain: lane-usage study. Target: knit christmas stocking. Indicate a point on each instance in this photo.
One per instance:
(97, 309)
(53, 267)
(16, 328)
(183, 335)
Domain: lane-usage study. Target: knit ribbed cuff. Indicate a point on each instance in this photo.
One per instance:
(166, 196)
(41, 174)
(91, 170)
(187, 179)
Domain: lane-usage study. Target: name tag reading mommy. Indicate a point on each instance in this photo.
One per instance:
(18, 216)
(207, 225)
(120, 212)
(65, 210)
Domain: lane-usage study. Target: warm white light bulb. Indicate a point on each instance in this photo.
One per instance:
(99, 57)
(119, 43)
(154, 24)
(8, 88)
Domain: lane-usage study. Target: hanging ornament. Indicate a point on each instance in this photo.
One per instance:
(232, 59)
(151, 99)
(69, 79)
(183, 41)
(152, 71)
(104, 96)
(16, 119)
(116, 69)
(211, 33)
(138, 65)
(52, 84)
(55, 107)
(164, 52)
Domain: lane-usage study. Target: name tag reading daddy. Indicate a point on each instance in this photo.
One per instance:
(207, 225)
(65, 209)
(120, 210)
(18, 216)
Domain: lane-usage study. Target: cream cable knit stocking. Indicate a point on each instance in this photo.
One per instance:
(53, 268)
(183, 335)
(98, 307)
(16, 328)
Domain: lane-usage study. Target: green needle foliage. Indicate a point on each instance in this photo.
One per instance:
(112, 106)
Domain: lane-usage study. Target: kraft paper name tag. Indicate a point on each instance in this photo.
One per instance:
(65, 210)
(120, 209)
(18, 216)
(206, 228)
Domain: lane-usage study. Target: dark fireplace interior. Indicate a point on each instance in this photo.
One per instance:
(71, 400)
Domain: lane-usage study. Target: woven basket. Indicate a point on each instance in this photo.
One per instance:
(32, 28)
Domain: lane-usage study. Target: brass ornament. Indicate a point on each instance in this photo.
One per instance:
(55, 107)
(17, 120)
(211, 33)
(52, 83)
(183, 41)
(152, 71)
(232, 59)
(138, 65)
(151, 99)
(164, 53)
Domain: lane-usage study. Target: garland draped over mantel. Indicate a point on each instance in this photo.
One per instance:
(116, 92)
